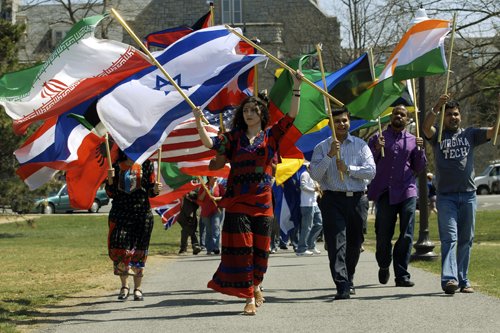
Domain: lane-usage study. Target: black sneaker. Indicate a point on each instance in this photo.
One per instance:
(405, 283)
(283, 247)
(196, 250)
(383, 275)
(182, 250)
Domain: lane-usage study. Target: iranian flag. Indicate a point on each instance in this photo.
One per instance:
(81, 67)
(419, 53)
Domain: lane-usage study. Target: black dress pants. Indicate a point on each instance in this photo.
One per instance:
(343, 219)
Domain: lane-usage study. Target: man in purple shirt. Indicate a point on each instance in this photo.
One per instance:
(395, 192)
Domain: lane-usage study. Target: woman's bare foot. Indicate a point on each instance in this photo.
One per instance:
(259, 299)
(250, 307)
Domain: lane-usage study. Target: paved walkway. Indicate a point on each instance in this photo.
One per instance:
(299, 295)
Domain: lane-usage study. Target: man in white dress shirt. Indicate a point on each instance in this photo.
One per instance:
(344, 205)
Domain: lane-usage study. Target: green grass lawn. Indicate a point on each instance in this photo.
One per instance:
(64, 254)
(59, 257)
(484, 268)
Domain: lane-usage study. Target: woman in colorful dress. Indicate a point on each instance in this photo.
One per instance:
(211, 214)
(130, 220)
(250, 148)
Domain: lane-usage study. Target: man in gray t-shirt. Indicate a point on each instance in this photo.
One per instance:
(456, 191)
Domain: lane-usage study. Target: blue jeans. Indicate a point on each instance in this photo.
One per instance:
(212, 223)
(456, 221)
(203, 234)
(385, 223)
(310, 228)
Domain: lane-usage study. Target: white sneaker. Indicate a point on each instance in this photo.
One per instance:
(315, 251)
(305, 253)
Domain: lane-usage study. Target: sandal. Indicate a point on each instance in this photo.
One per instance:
(124, 296)
(250, 309)
(468, 290)
(259, 299)
(138, 298)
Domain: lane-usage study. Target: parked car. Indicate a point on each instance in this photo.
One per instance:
(60, 202)
(488, 182)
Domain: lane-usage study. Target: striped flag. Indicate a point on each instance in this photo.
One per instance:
(81, 67)
(140, 112)
(287, 208)
(419, 53)
(184, 144)
(61, 143)
(165, 38)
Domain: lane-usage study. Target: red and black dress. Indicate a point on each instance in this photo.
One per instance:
(249, 214)
(130, 218)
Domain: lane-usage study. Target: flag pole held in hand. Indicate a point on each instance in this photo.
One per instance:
(416, 109)
(208, 193)
(318, 49)
(155, 62)
(110, 179)
(285, 66)
(380, 131)
(447, 75)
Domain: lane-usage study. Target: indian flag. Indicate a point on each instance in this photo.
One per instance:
(419, 53)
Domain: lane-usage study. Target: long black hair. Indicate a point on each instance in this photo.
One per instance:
(238, 121)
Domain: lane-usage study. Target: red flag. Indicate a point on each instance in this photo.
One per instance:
(84, 182)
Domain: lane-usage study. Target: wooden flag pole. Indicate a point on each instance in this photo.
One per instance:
(285, 66)
(159, 165)
(320, 59)
(110, 180)
(208, 193)
(153, 59)
(416, 109)
(212, 21)
(212, 18)
(498, 123)
(380, 131)
(372, 71)
(255, 77)
(447, 75)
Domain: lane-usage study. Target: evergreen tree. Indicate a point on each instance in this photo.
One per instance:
(13, 191)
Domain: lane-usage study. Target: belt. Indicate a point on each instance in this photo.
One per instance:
(346, 194)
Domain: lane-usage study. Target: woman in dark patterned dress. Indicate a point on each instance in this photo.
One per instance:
(130, 220)
(250, 148)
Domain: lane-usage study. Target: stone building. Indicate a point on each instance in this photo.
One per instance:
(286, 28)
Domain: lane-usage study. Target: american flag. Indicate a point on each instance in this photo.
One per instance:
(214, 118)
(184, 144)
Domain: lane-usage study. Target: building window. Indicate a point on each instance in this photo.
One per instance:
(58, 34)
(231, 11)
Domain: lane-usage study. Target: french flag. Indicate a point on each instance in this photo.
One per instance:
(61, 143)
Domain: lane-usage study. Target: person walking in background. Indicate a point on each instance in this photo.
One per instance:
(344, 205)
(130, 220)
(189, 222)
(395, 192)
(211, 214)
(456, 190)
(250, 147)
(311, 222)
(431, 193)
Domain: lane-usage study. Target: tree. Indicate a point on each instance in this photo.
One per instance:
(13, 192)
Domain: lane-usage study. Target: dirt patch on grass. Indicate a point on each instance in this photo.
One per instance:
(20, 220)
